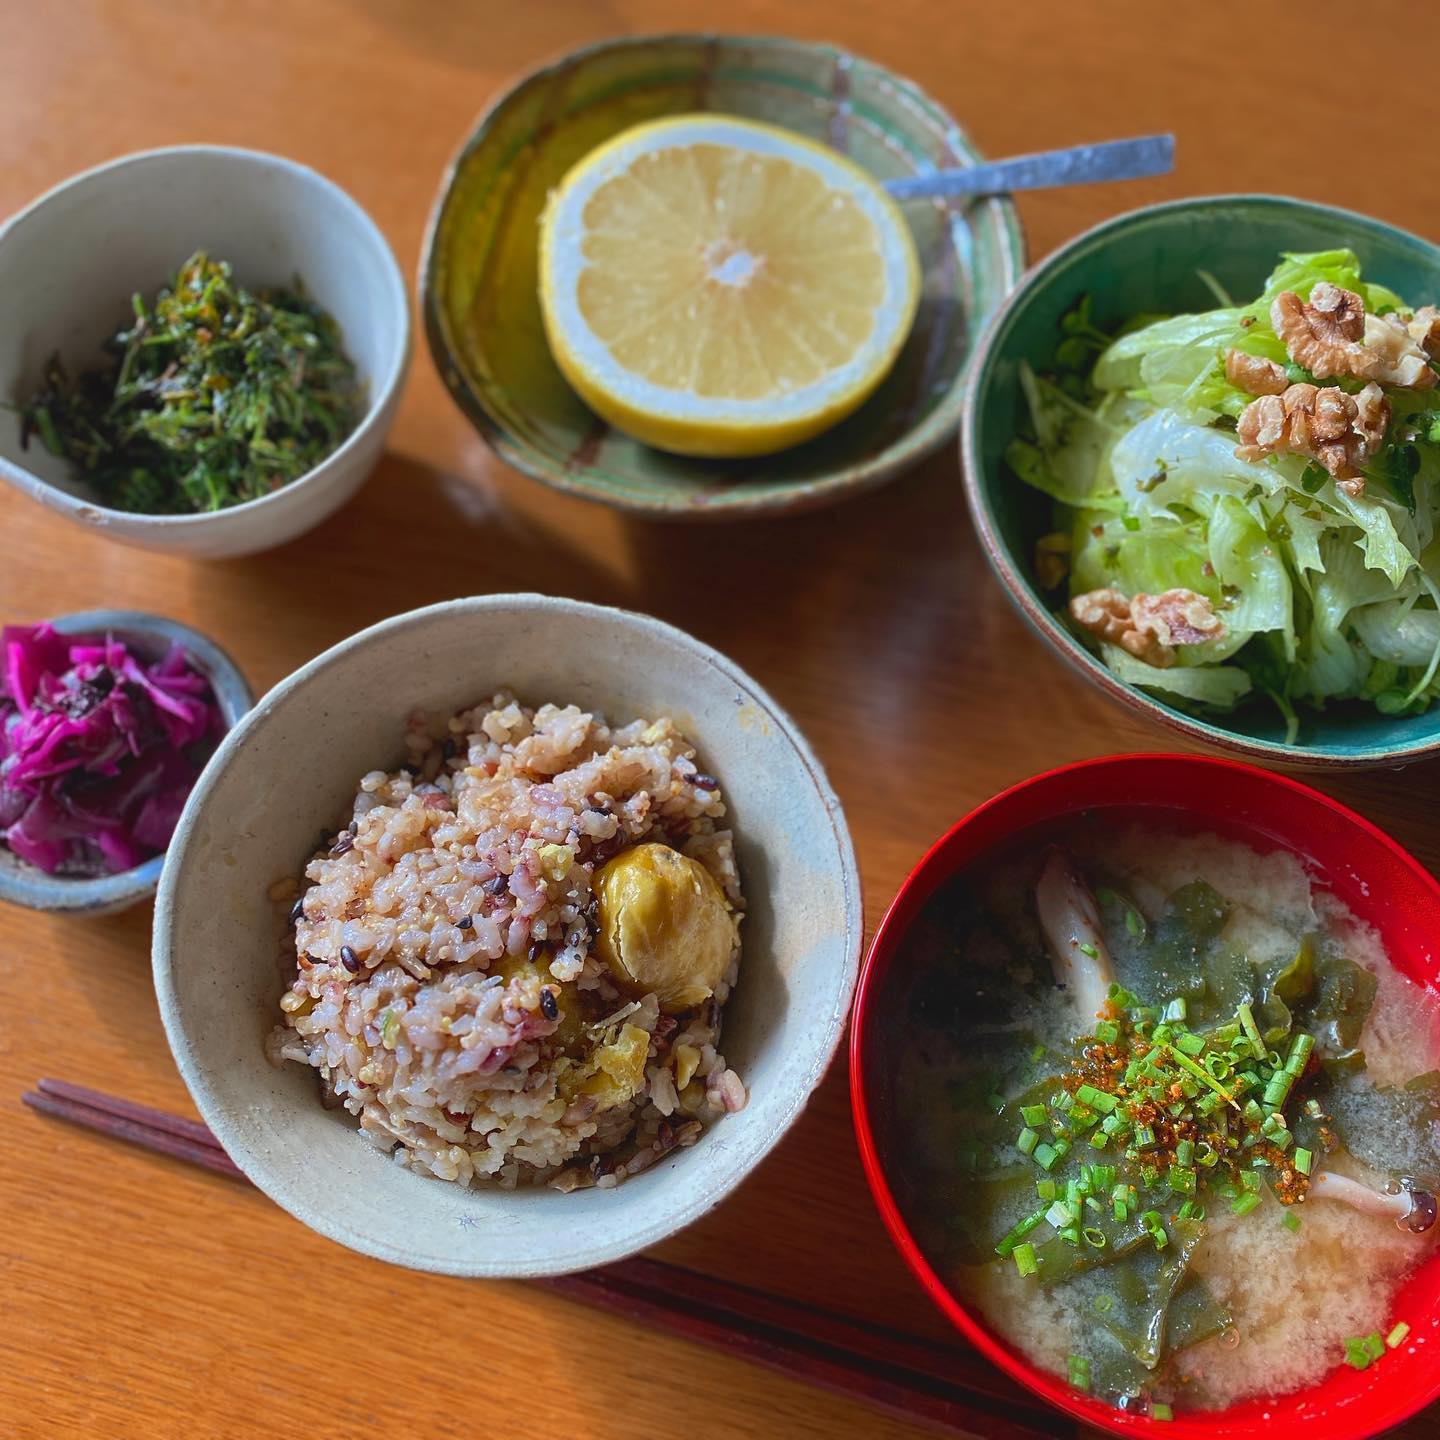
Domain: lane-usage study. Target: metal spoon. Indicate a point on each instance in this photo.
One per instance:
(1080, 165)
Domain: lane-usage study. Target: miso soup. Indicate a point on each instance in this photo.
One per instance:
(1165, 1116)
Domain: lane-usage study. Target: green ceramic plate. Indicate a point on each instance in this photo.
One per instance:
(1149, 260)
(478, 274)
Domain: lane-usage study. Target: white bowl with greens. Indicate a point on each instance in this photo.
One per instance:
(1223, 536)
(231, 416)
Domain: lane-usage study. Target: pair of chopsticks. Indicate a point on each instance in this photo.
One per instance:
(947, 1386)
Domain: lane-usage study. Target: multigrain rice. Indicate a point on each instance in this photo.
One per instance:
(444, 985)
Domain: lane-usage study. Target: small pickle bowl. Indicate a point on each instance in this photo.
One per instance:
(70, 262)
(290, 769)
(148, 636)
(1151, 261)
(479, 276)
(1383, 886)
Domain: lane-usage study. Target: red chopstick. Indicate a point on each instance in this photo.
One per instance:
(949, 1386)
(170, 1135)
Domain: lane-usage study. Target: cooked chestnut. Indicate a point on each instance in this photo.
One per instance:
(663, 925)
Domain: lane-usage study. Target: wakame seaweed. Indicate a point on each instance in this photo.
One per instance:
(213, 396)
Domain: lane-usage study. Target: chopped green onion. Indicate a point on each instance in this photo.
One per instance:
(1206, 1154)
(1107, 1032)
(1249, 1180)
(1094, 1236)
(1060, 1215)
(1026, 1141)
(1120, 1210)
(1162, 1033)
(1086, 948)
(1078, 1370)
(1144, 1137)
(1020, 1229)
(1185, 1152)
(1071, 1234)
(1155, 1227)
(1200, 1073)
(1046, 1189)
(1290, 1221)
(1182, 1179)
(1357, 1353)
(1189, 1043)
(1134, 923)
(1103, 1303)
(1245, 1204)
(1037, 1054)
(1122, 997)
(1034, 1115)
(1024, 1256)
(1247, 1020)
(1299, 1057)
(1175, 1010)
(1362, 1351)
(1099, 1139)
(1045, 1156)
(1397, 1335)
(1159, 1410)
(1097, 1099)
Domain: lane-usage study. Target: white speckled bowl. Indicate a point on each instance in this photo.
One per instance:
(70, 262)
(149, 636)
(290, 769)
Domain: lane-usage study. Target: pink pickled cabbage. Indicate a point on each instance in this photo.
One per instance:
(98, 750)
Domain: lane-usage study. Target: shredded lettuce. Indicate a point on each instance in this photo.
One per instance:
(1324, 595)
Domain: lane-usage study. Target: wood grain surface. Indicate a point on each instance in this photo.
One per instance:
(139, 1297)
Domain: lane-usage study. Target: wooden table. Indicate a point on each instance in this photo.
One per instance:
(140, 1298)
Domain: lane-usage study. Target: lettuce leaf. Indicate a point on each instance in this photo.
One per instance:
(1222, 686)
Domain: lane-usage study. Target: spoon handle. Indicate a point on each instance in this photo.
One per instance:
(1081, 165)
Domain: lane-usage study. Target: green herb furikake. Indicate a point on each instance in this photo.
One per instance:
(214, 395)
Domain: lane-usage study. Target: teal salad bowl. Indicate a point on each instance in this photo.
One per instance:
(1174, 259)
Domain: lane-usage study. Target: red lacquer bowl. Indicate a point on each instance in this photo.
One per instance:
(1378, 880)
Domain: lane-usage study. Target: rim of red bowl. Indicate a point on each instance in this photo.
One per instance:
(1265, 808)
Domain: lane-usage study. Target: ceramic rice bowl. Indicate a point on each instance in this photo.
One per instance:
(290, 770)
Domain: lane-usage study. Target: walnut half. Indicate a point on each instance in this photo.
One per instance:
(1341, 431)
(1332, 335)
(1254, 374)
(1424, 328)
(1399, 360)
(1325, 335)
(1148, 626)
